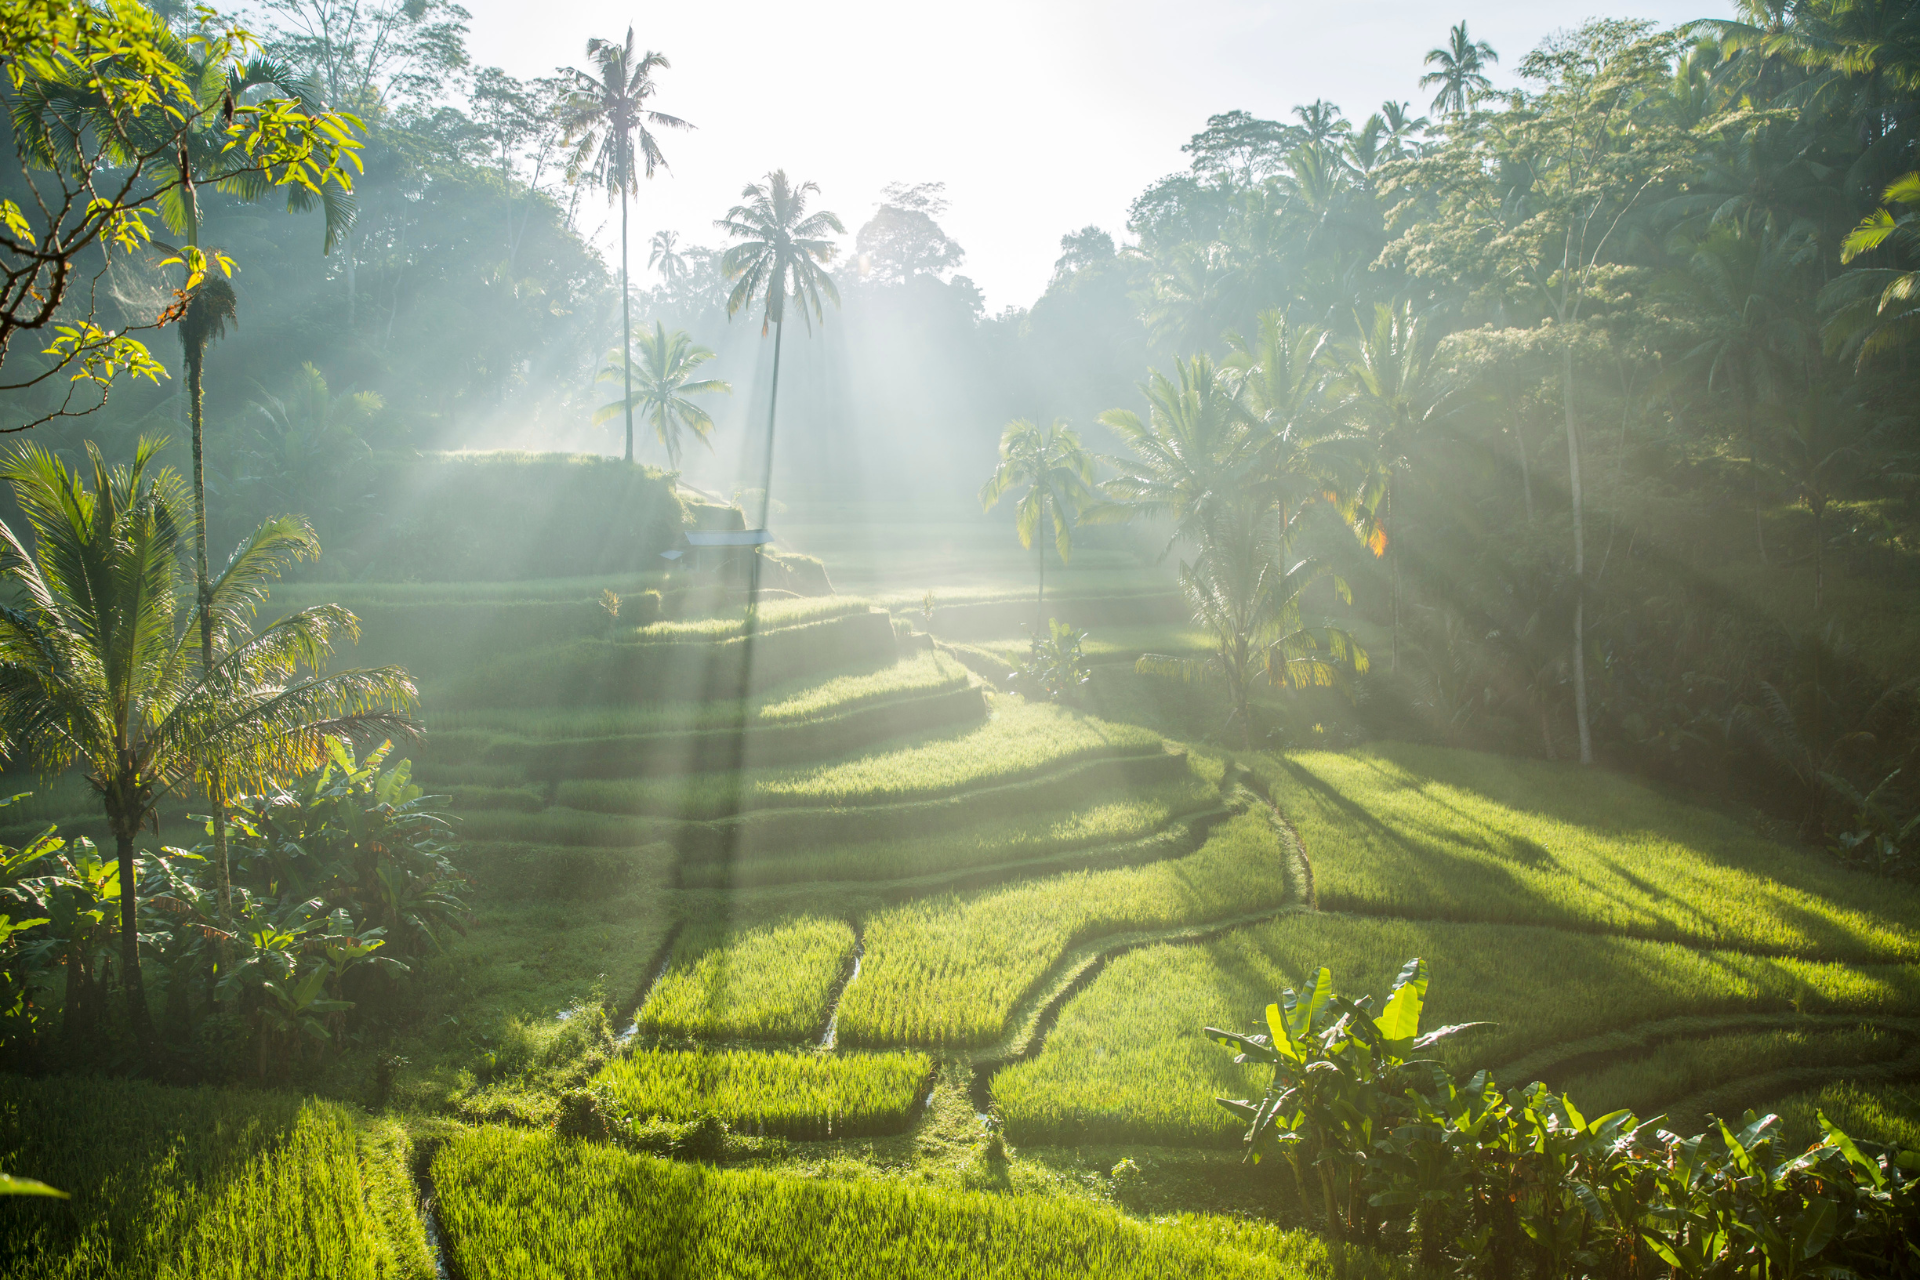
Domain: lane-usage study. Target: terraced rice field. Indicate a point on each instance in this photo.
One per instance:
(523, 1204)
(767, 982)
(949, 970)
(226, 1184)
(1126, 1058)
(817, 947)
(1020, 740)
(798, 1095)
(1429, 833)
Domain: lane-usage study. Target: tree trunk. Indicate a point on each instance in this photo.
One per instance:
(1393, 664)
(1753, 461)
(1819, 557)
(138, 1016)
(1579, 559)
(1526, 469)
(626, 342)
(766, 476)
(1040, 596)
(216, 793)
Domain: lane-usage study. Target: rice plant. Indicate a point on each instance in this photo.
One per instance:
(1651, 1083)
(201, 1182)
(1421, 831)
(1110, 818)
(521, 1204)
(1020, 740)
(1126, 1059)
(921, 672)
(795, 1095)
(1874, 1112)
(766, 982)
(770, 616)
(950, 970)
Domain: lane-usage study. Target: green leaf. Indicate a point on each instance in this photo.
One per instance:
(1400, 1020)
(1300, 1017)
(12, 1186)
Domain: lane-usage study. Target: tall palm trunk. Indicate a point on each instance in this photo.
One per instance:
(626, 323)
(1579, 560)
(766, 476)
(203, 582)
(138, 1016)
(1040, 596)
(1753, 463)
(773, 404)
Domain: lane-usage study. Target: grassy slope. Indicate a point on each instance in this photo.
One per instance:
(1431, 833)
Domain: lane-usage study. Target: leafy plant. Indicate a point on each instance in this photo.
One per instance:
(1392, 1152)
(1056, 664)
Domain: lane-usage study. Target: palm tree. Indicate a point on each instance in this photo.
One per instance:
(606, 121)
(665, 256)
(1877, 310)
(781, 252)
(1192, 454)
(1243, 592)
(1462, 74)
(97, 667)
(1058, 474)
(665, 374)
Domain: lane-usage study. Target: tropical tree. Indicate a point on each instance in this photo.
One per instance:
(1395, 393)
(780, 252)
(115, 117)
(1876, 311)
(664, 380)
(609, 125)
(1245, 594)
(1191, 455)
(1461, 72)
(665, 257)
(1057, 473)
(1747, 288)
(97, 661)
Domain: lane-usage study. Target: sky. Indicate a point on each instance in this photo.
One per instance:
(1040, 116)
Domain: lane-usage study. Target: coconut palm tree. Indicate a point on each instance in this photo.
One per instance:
(1462, 74)
(665, 256)
(664, 373)
(609, 125)
(1058, 474)
(1192, 456)
(97, 660)
(781, 252)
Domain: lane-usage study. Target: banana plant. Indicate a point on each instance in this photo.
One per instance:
(1474, 1180)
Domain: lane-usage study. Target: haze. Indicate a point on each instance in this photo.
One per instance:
(1040, 117)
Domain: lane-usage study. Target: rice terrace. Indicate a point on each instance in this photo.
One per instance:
(586, 693)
